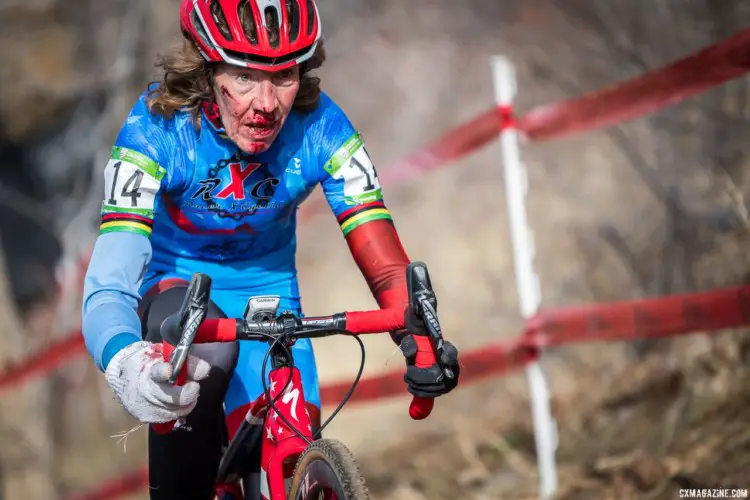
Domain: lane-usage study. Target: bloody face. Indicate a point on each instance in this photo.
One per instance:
(254, 104)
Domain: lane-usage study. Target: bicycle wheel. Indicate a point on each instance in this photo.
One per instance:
(326, 470)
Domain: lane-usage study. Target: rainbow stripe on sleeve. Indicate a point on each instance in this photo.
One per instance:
(133, 220)
(356, 216)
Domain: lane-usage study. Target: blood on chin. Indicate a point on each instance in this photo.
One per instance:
(253, 146)
(249, 142)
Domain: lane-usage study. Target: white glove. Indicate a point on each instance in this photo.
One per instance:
(138, 376)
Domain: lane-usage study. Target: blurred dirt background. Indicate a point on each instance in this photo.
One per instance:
(651, 207)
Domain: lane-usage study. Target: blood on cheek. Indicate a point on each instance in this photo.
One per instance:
(233, 103)
(225, 92)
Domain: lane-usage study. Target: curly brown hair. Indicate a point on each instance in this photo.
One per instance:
(188, 82)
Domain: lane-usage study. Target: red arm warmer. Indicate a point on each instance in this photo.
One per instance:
(378, 252)
(381, 258)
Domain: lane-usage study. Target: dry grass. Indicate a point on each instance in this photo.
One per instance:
(646, 434)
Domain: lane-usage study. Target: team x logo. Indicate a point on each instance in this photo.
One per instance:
(236, 187)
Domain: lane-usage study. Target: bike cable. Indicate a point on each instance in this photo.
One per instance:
(347, 396)
(351, 389)
(267, 391)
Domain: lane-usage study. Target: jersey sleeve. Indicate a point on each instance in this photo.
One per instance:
(348, 177)
(139, 168)
(137, 171)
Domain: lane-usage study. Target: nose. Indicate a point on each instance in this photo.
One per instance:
(266, 101)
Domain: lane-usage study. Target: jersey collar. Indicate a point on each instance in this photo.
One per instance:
(211, 112)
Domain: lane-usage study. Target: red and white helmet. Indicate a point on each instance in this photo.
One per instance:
(261, 34)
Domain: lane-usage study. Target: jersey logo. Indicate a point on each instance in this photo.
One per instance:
(236, 187)
(207, 187)
(263, 190)
(238, 197)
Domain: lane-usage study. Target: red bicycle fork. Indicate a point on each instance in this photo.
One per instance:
(281, 446)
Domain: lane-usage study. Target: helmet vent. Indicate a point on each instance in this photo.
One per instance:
(198, 25)
(247, 20)
(310, 17)
(220, 20)
(293, 20)
(272, 26)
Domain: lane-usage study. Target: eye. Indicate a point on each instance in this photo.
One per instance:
(285, 76)
(244, 78)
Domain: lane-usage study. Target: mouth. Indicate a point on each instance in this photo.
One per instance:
(261, 129)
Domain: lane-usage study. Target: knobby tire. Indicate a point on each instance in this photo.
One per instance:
(330, 465)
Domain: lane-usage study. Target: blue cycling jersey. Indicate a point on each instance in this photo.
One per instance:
(181, 199)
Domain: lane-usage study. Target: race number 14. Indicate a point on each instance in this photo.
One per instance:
(129, 189)
(129, 186)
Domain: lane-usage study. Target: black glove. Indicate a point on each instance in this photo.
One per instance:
(428, 382)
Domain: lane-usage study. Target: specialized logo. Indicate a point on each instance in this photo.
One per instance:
(291, 395)
(305, 486)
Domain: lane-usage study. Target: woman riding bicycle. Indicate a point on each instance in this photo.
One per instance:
(206, 175)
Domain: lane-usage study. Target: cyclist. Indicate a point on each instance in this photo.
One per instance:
(206, 175)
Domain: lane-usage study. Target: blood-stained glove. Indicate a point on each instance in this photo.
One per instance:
(139, 376)
(424, 377)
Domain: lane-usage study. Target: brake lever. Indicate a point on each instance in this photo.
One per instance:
(184, 323)
(423, 305)
(429, 317)
(193, 312)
